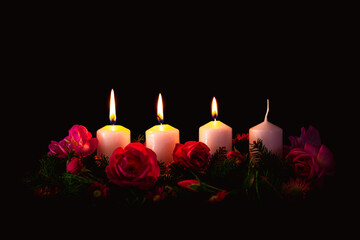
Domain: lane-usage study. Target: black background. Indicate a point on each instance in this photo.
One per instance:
(70, 71)
(69, 68)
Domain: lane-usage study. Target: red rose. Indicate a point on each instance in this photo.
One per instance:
(304, 163)
(235, 154)
(75, 165)
(136, 166)
(192, 154)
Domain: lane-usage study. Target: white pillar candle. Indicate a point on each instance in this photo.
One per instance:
(270, 134)
(216, 134)
(112, 136)
(162, 138)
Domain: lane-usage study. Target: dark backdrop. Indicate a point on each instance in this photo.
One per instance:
(69, 70)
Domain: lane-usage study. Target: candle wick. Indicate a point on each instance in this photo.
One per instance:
(267, 111)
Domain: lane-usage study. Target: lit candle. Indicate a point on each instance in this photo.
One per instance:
(162, 138)
(216, 134)
(270, 134)
(112, 136)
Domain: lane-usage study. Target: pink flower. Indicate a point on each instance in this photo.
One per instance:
(312, 162)
(60, 149)
(136, 166)
(79, 140)
(82, 142)
(75, 166)
(311, 136)
(192, 154)
(191, 184)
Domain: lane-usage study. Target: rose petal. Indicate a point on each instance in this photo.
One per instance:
(312, 149)
(312, 136)
(188, 184)
(326, 160)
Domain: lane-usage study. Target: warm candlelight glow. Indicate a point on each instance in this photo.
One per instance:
(214, 109)
(112, 108)
(160, 111)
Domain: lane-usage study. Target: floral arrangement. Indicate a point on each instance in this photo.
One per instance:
(133, 176)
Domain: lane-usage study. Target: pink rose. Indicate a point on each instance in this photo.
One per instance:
(60, 149)
(192, 154)
(75, 165)
(82, 142)
(136, 166)
(311, 162)
(79, 140)
(311, 135)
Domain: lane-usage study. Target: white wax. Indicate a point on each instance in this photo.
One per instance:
(162, 139)
(111, 137)
(216, 134)
(270, 134)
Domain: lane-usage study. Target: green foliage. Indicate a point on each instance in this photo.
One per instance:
(140, 138)
(258, 175)
(266, 171)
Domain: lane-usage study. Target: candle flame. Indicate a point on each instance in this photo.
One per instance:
(160, 111)
(214, 109)
(112, 108)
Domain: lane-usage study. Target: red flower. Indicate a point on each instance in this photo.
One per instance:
(75, 165)
(241, 142)
(191, 184)
(192, 154)
(218, 197)
(98, 190)
(236, 155)
(136, 166)
(46, 191)
(158, 194)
